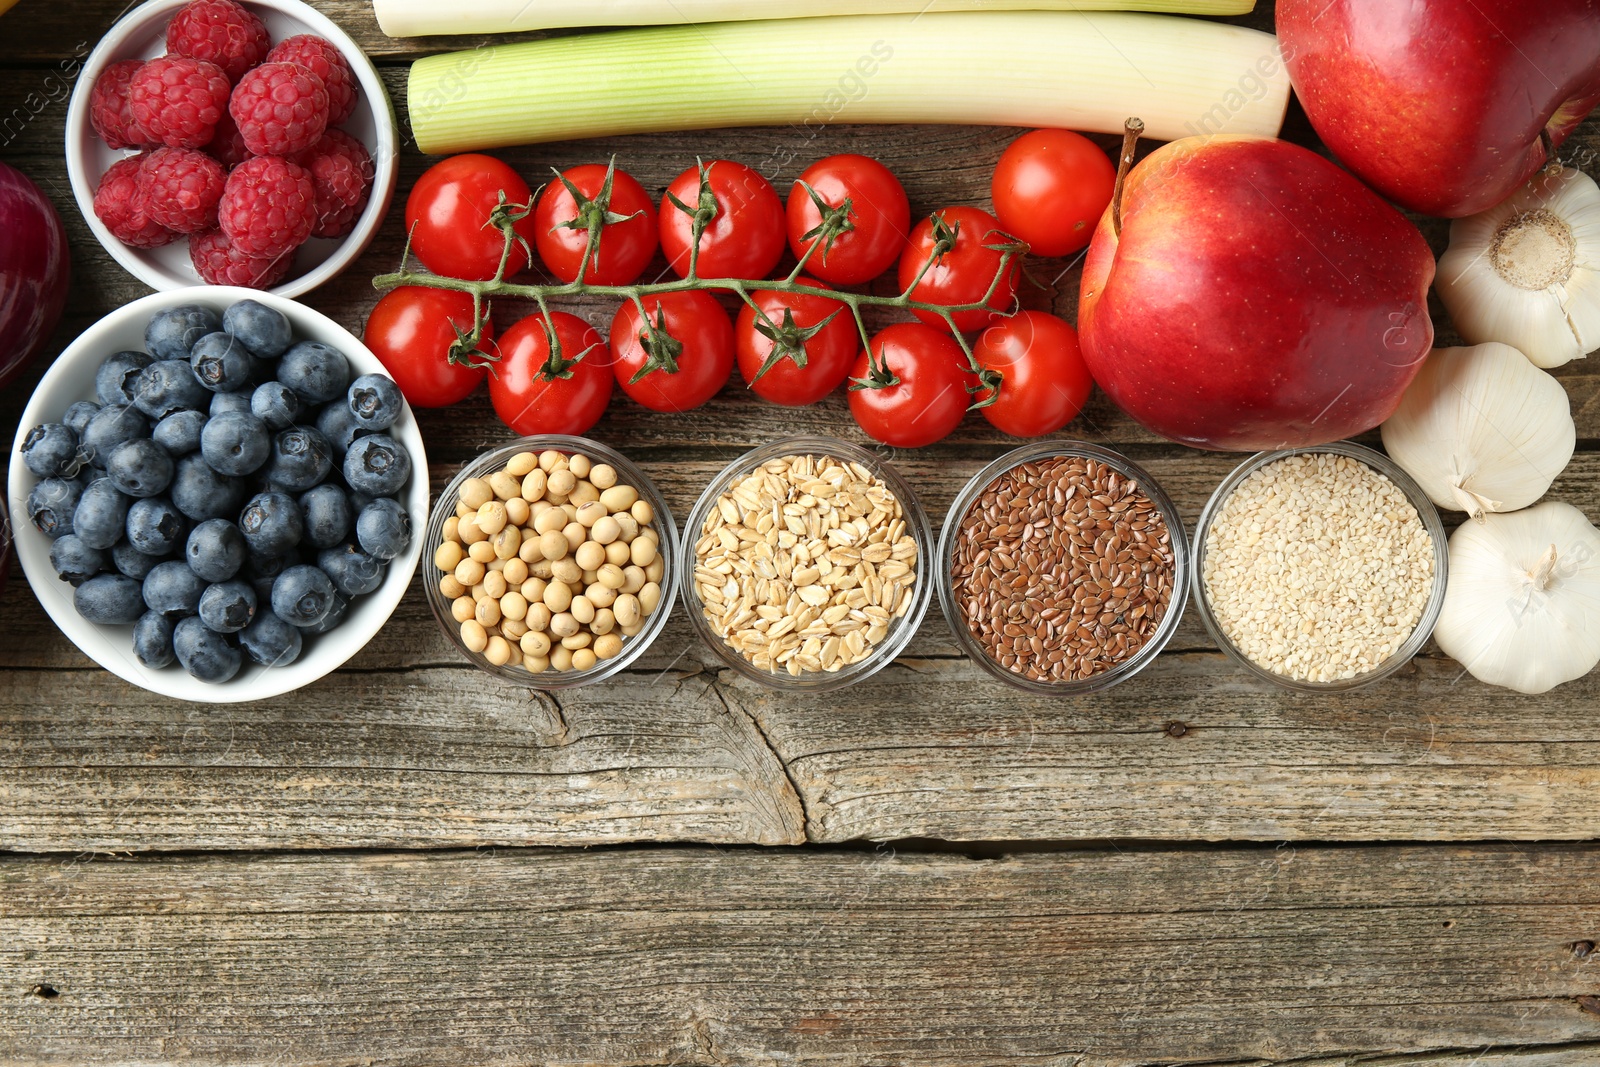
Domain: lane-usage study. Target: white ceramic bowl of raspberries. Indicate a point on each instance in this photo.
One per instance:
(180, 575)
(220, 142)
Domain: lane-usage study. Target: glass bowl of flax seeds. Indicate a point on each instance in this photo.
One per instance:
(1063, 568)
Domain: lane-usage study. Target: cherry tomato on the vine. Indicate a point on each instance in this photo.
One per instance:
(963, 244)
(1050, 189)
(911, 386)
(1042, 380)
(607, 200)
(414, 331)
(540, 387)
(744, 229)
(799, 349)
(448, 216)
(858, 244)
(679, 356)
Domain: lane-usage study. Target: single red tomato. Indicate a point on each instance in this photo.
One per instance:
(911, 386)
(964, 245)
(859, 241)
(1050, 189)
(799, 349)
(417, 334)
(744, 229)
(678, 357)
(450, 211)
(1034, 376)
(596, 198)
(554, 376)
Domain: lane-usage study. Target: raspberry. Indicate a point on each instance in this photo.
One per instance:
(342, 170)
(220, 32)
(322, 58)
(120, 203)
(268, 207)
(181, 188)
(108, 106)
(219, 262)
(227, 147)
(177, 101)
(281, 109)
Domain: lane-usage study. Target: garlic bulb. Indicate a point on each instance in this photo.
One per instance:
(1522, 607)
(1527, 272)
(1481, 429)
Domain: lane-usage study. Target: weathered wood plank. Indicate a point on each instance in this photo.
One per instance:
(411, 747)
(708, 957)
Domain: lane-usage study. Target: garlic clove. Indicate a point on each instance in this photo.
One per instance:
(1527, 271)
(1522, 606)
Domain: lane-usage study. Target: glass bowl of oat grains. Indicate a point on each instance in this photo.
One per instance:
(806, 564)
(1320, 568)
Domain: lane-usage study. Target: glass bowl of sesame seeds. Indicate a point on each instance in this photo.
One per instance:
(806, 564)
(1063, 568)
(1320, 568)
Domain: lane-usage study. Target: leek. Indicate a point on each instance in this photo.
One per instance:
(417, 18)
(1074, 70)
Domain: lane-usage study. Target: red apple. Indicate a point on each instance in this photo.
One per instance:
(1440, 104)
(1258, 297)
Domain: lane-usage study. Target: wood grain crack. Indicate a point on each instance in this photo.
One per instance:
(791, 803)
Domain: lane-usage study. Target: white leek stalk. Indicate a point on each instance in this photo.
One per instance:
(417, 18)
(1522, 608)
(1023, 68)
(1527, 272)
(1481, 429)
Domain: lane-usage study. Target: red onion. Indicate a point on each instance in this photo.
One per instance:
(35, 268)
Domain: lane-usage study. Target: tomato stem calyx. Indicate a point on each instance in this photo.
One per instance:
(660, 347)
(700, 216)
(788, 338)
(558, 366)
(835, 220)
(878, 375)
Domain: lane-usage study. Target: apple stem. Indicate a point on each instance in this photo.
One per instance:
(1551, 163)
(1130, 138)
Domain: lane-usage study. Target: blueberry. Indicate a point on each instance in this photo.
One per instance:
(352, 571)
(301, 458)
(377, 465)
(263, 330)
(140, 468)
(384, 528)
(101, 514)
(75, 561)
(215, 550)
(261, 571)
(271, 523)
(51, 451)
(270, 641)
(179, 433)
(235, 443)
(223, 403)
(130, 561)
(152, 640)
(109, 599)
(169, 385)
(375, 401)
(315, 371)
(110, 427)
(51, 505)
(275, 404)
(335, 616)
(115, 380)
(155, 527)
(221, 362)
(338, 424)
(77, 416)
(328, 516)
(173, 590)
(173, 331)
(205, 653)
(201, 493)
(302, 596)
(228, 607)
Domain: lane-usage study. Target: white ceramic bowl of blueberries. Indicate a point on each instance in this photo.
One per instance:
(218, 494)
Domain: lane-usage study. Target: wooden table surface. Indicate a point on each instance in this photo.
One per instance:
(408, 864)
